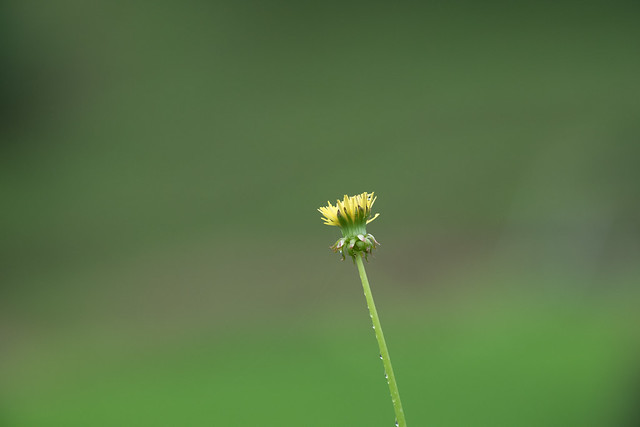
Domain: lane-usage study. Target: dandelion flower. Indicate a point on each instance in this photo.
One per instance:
(352, 214)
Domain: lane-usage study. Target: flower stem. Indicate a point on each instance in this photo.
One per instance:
(384, 352)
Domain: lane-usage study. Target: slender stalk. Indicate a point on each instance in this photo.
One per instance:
(384, 352)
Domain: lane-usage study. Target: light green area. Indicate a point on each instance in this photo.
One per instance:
(501, 367)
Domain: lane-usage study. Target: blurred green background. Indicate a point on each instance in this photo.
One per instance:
(163, 264)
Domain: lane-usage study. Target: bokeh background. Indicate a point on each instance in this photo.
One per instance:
(163, 264)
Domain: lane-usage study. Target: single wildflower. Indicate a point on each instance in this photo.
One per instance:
(352, 214)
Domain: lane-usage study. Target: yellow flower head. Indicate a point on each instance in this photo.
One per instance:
(350, 211)
(351, 214)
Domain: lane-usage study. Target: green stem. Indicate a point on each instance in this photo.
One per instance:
(384, 352)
